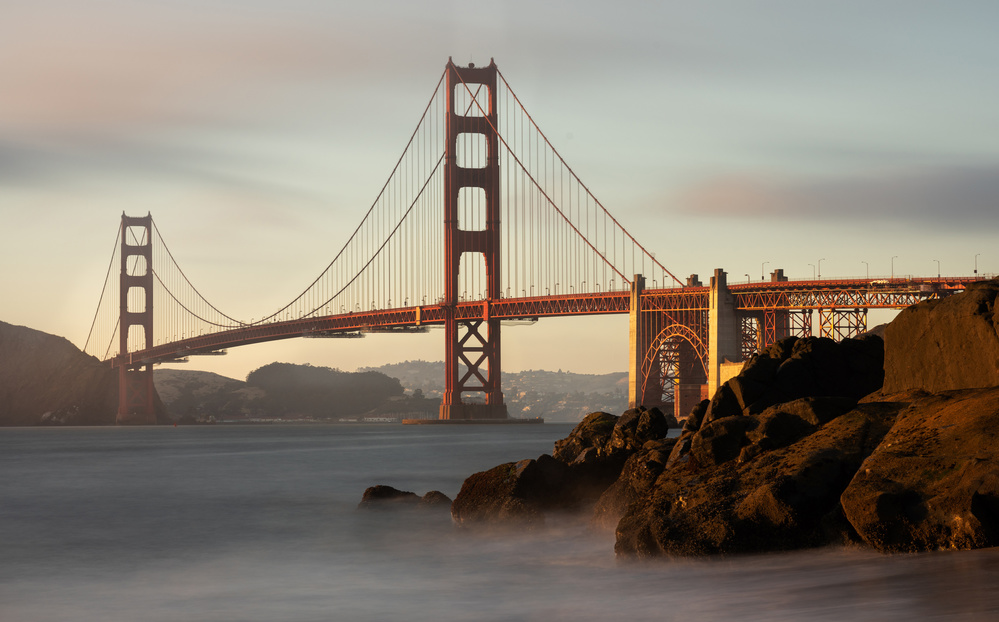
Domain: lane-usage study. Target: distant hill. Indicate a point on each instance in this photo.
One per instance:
(277, 390)
(202, 394)
(429, 377)
(554, 395)
(46, 380)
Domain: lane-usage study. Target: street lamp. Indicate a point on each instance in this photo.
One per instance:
(976, 262)
(763, 271)
(893, 258)
(868, 267)
(747, 278)
(813, 270)
(820, 267)
(938, 268)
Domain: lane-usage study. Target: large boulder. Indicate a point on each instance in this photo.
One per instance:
(799, 367)
(945, 344)
(515, 493)
(782, 498)
(637, 477)
(584, 466)
(933, 483)
(592, 432)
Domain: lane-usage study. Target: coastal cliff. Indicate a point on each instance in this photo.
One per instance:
(889, 444)
(46, 380)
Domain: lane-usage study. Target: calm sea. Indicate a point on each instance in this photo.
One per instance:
(247, 523)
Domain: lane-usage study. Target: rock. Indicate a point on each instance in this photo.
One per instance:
(436, 499)
(795, 368)
(584, 466)
(784, 498)
(514, 493)
(721, 440)
(696, 416)
(637, 477)
(592, 432)
(946, 344)
(381, 497)
(933, 483)
(635, 427)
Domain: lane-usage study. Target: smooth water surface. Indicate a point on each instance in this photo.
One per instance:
(260, 523)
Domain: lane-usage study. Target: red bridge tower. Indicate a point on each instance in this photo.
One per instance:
(472, 344)
(135, 380)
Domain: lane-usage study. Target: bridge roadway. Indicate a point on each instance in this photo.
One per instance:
(895, 293)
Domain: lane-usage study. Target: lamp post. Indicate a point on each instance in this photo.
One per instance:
(893, 257)
(976, 262)
(813, 270)
(763, 271)
(938, 268)
(867, 266)
(747, 278)
(820, 267)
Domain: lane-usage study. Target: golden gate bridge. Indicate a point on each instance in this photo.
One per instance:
(481, 221)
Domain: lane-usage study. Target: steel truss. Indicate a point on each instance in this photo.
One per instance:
(839, 324)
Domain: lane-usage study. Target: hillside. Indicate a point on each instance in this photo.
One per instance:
(46, 380)
(554, 395)
(274, 391)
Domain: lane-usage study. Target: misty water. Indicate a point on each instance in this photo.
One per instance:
(255, 523)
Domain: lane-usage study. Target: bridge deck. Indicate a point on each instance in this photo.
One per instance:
(786, 295)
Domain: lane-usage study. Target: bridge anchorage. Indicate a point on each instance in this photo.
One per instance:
(431, 251)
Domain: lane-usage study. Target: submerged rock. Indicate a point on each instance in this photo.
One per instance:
(383, 497)
(380, 496)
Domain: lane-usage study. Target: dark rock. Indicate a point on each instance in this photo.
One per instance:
(653, 425)
(933, 483)
(777, 428)
(723, 404)
(784, 498)
(637, 477)
(761, 368)
(721, 440)
(696, 416)
(592, 432)
(635, 427)
(489, 497)
(436, 499)
(946, 344)
(381, 497)
(746, 391)
(514, 493)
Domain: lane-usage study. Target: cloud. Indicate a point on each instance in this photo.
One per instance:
(951, 197)
(126, 64)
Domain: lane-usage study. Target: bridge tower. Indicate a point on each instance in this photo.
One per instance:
(472, 344)
(135, 380)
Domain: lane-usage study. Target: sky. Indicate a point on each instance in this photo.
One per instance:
(737, 134)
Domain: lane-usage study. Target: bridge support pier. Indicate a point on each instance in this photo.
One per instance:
(639, 343)
(725, 332)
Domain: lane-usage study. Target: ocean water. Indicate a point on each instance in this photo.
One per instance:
(248, 523)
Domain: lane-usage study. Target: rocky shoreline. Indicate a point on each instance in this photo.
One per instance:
(886, 443)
